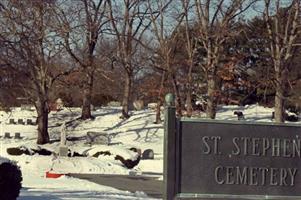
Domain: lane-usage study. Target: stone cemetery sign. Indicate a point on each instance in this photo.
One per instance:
(231, 160)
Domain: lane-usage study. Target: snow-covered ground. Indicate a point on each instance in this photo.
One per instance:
(138, 131)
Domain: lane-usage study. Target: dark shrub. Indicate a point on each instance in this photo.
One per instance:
(10, 181)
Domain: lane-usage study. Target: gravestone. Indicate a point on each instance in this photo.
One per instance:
(12, 121)
(211, 159)
(63, 134)
(63, 151)
(148, 154)
(152, 106)
(138, 105)
(18, 135)
(98, 138)
(7, 135)
(30, 122)
(20, 121)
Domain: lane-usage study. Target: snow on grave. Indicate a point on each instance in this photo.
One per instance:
(152, 106)
(128, 157)
(98, 138)
(28, 107)
(114, 104)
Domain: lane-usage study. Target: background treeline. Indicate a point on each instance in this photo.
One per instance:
(96, 51)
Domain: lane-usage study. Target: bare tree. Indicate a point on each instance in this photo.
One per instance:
(82, 23)
(128, 27)
(31, 47)
(191, 51)
(165, 34)
(215, 20)
(283, 27)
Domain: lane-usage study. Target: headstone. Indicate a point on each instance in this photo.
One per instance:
(63, 134)
(26, 107)
(152, 106)
(12, 121)
(29, 122)
(17, 136)
(148, 154)
(7, 135)
(98, 138)
(63, 151)
(138, 104)
(20, 121)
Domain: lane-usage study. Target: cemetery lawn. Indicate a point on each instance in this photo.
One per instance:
(139, 131)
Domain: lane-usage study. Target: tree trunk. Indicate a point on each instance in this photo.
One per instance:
(188, 92)
(160, 99)
(126, 95)
(212, 98)
(188, 102)
(87, 96)
(279, 105)
(177, 96)
(42, 121)
(281, 81)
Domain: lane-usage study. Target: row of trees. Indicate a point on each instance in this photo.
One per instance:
(162, 45)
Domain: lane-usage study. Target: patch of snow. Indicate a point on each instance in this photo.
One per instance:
(138, 131)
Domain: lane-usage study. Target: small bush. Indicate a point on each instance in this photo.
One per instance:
(10, 181)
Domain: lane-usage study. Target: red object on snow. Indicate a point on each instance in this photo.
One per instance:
(53, 175)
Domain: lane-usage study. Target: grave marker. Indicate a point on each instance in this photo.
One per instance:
(17, 135)
(63, 151)
(7, 135)
(29, 122)
(20, 121)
